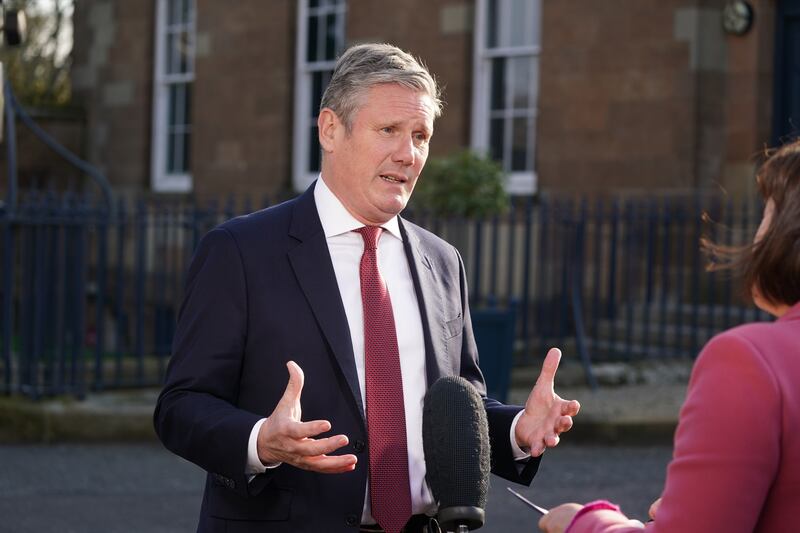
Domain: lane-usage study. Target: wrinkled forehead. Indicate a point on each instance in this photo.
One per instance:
(394, 97)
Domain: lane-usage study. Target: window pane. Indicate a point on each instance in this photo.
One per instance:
(498, 95)
(311, 42)
(179, 142)
(314, 155)
(179, 105)
(172, 108)
(169, 54)
(187, 137)
(330, 37)
(173, 12)
(340, 37)
(521, 23)
(491, 23)
(170, 153)
(186, 11)
(519, 144)
(520, 81)
(183, 51)
(496, 139)
(319, 81)
(187, 105)
(313, 3)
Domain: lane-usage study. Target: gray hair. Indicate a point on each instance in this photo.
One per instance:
(363, 66)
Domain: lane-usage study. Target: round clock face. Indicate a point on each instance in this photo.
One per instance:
(737, 17)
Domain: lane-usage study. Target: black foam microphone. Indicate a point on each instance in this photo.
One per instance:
(455, 439)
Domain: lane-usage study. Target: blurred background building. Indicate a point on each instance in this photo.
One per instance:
(205, 97)
(626, 130)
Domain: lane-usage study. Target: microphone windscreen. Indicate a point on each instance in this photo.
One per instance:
(455, 439)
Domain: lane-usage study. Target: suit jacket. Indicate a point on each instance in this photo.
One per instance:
(261, 291)
(737, 448)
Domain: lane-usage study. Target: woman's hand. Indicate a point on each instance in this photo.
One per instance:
(557, 520)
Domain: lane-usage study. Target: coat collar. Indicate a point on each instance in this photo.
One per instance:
(792, 314)
(429, 288)
(313, 267)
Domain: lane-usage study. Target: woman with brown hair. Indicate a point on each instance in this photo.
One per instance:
(736, 464)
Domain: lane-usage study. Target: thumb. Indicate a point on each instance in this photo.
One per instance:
(548, 374)
(295, 386)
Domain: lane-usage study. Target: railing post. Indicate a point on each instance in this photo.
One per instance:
(475, 290)
(119, 292)
(141, 267)
(6, 314)
(100, 300)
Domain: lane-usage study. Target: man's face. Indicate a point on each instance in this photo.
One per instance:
(373, 168)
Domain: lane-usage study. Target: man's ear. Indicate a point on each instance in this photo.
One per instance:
(329, 125)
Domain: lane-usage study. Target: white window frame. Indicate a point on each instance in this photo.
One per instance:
(516, 182)
(160, 179)
(302, 176)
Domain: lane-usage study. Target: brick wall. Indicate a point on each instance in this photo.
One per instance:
(244, 87)
(634, 94)
(112, 80)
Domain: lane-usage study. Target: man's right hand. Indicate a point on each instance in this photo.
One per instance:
(284, 438)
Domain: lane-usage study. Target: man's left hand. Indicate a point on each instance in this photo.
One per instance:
(546, 414)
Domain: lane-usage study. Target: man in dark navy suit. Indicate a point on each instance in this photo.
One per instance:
(333, 303)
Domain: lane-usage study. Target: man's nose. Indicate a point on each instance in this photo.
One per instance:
(404, 152)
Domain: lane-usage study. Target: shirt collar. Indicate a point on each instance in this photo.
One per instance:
(793, 313)
(337, 220)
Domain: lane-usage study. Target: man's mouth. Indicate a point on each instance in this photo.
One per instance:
(392, 179)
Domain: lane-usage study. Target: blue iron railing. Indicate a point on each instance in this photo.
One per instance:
(90, 302)
(91, 286)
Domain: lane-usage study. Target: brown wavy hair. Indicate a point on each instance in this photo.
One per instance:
(773, 263)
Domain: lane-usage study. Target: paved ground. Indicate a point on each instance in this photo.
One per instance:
(133, 488)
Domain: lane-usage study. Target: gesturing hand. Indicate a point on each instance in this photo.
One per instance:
(546, 414)
(284, 438)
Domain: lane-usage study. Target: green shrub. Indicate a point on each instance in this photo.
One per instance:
(465, 184)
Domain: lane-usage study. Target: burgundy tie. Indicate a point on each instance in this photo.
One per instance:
(389, 488)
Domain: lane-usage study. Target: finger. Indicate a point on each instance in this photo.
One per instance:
(544, 521)
(549, 367)
(564, 424)
(538, 448)
(314, 447)
(295, 385)
(654, 509)
(551, 441)
(303, 430)
(330, 464)
(570, 408)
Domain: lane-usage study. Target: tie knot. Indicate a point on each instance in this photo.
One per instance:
(370, 234)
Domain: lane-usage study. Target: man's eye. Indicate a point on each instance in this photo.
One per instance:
(387, 129)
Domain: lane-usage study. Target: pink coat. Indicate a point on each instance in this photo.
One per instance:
(736, 465)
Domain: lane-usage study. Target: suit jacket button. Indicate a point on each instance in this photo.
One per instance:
(351, 520)
(359, 446)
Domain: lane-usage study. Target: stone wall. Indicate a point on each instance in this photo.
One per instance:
(634, 94)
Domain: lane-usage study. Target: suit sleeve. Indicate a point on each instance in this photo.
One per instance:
(196, 415)
(500, 416)
(727, 447)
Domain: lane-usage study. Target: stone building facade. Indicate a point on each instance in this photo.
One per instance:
(619, 95)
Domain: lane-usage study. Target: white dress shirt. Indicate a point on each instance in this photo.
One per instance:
(346, 248)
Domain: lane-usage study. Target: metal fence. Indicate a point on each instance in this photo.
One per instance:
(625, 276)
(89, 298)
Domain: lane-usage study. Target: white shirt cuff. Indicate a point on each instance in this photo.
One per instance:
(254, 464)
(518, 453)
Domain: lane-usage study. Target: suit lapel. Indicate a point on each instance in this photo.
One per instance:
(312, 265)
(429, 295)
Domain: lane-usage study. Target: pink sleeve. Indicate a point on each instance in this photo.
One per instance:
(726, 447)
